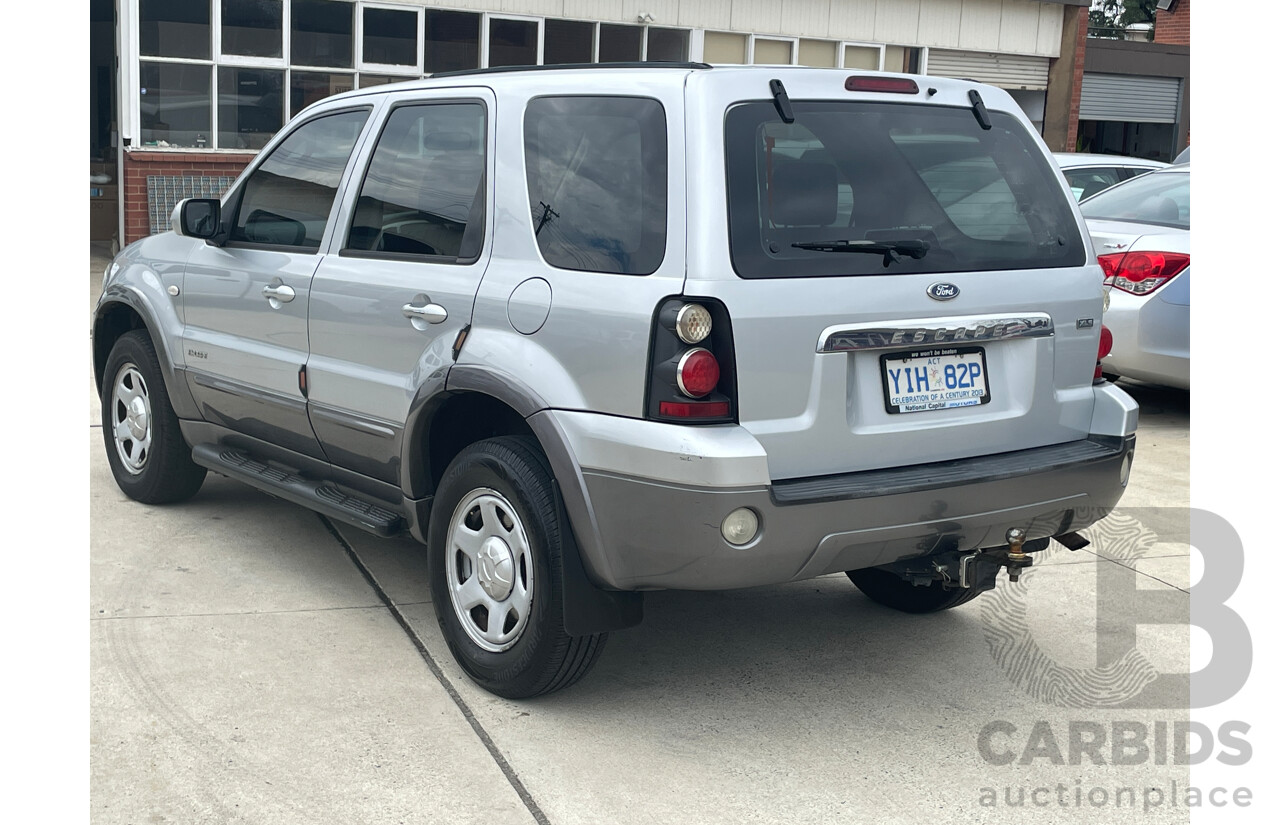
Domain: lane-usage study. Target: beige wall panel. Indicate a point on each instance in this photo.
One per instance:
(724, 47)
(594, 10)
(710, 14)
(852, 20)
(1019, 26)
(1049, 37)
(806, 17)
(898, 21)
(980, 25)
(756, 16)
(819, 53)
(940, 23)
(541, 8)
(772, 51)
(861, 57)
(665, 12)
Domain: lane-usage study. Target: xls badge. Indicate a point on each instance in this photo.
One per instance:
(942, 291)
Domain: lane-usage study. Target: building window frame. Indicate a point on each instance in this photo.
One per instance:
(415, 69)
(773, 38)
(485, 17)
(880, 47)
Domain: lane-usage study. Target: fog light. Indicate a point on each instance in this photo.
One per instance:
(740, 526)
(1124, 469)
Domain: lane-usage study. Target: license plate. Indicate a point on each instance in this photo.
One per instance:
(934, 379)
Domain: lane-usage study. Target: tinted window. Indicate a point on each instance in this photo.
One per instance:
(1086, 183)
(423, 192)
(1163, 199)
(287, 199)
(878, 172)
(597, 172)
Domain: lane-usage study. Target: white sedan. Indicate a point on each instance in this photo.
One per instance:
(1141, 232)
(1087, 175)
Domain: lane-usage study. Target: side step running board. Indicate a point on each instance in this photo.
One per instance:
(321, 496)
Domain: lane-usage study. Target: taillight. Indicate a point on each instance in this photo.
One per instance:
(697, 373)
(1105, 340)
(691, 366)
(1142, 272)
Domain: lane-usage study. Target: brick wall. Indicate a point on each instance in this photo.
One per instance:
(1077, 78)
(1174, 26)
(139, 165)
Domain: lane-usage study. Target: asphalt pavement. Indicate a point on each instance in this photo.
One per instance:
(251, 662)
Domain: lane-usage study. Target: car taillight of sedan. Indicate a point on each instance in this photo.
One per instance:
(1141, 273)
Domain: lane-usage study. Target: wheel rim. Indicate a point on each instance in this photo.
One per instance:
(131, 419)
(489, 567)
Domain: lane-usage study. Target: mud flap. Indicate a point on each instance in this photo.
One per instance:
(590, 609)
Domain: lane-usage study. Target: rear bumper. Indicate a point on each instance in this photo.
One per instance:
(647, 501)
(1152, 339)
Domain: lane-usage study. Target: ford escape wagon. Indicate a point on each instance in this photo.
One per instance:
(590, 332)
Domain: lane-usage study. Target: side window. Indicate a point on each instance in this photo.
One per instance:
(287, 199)
(597, 175)
(423, 193)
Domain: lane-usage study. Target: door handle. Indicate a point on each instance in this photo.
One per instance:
(278, 293)
(431, 313)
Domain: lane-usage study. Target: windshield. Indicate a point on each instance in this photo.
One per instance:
(904, 175)
(1163, 199)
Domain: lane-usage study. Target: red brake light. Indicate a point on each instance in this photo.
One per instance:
(896, 85)
(1105, 340)
(694, 409)
(698, 373)
(1142, 272)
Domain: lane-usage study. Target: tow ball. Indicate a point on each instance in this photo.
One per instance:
(1014, 559)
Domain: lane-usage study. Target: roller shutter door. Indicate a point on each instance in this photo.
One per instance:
(1008, 71)
(1129, 98)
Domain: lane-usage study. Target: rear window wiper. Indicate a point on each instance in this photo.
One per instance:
(892, 250)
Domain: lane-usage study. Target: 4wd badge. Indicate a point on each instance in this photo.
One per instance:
(942, 291)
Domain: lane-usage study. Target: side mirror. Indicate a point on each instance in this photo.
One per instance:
(197, 217)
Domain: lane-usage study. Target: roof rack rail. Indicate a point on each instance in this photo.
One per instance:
(638, 64)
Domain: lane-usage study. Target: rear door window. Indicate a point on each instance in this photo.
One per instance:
(423, 193)
(858, 175)
(597, 177)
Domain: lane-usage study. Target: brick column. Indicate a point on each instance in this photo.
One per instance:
(140, 164)
(1066, 77)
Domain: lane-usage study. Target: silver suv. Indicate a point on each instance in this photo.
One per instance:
(587, 332)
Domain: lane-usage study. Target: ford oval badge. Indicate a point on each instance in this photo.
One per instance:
(942, 291)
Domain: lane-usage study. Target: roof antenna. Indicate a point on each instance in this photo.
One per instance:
(781, 101)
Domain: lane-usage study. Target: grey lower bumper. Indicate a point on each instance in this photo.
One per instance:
(659, 535)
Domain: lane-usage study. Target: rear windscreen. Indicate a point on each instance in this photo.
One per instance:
(925, 182)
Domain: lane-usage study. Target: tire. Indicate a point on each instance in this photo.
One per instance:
(148, 457)
(893, 591)
(495, 545)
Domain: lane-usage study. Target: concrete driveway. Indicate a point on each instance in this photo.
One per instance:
(251, 662)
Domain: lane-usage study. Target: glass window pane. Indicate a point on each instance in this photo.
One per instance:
(620, 44)
(513, 42)
(250, 106)
(724, 47)
(597, 172)
(321, 31)
(174, 104)
(861, 57)
(567, 41)
(306, 88)
(367, 79)
(453, 41)
(252, 27)
(287, 199)
(422, 194)
(391, 37)
(772, 51)
(668, 44)
(168, 29)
